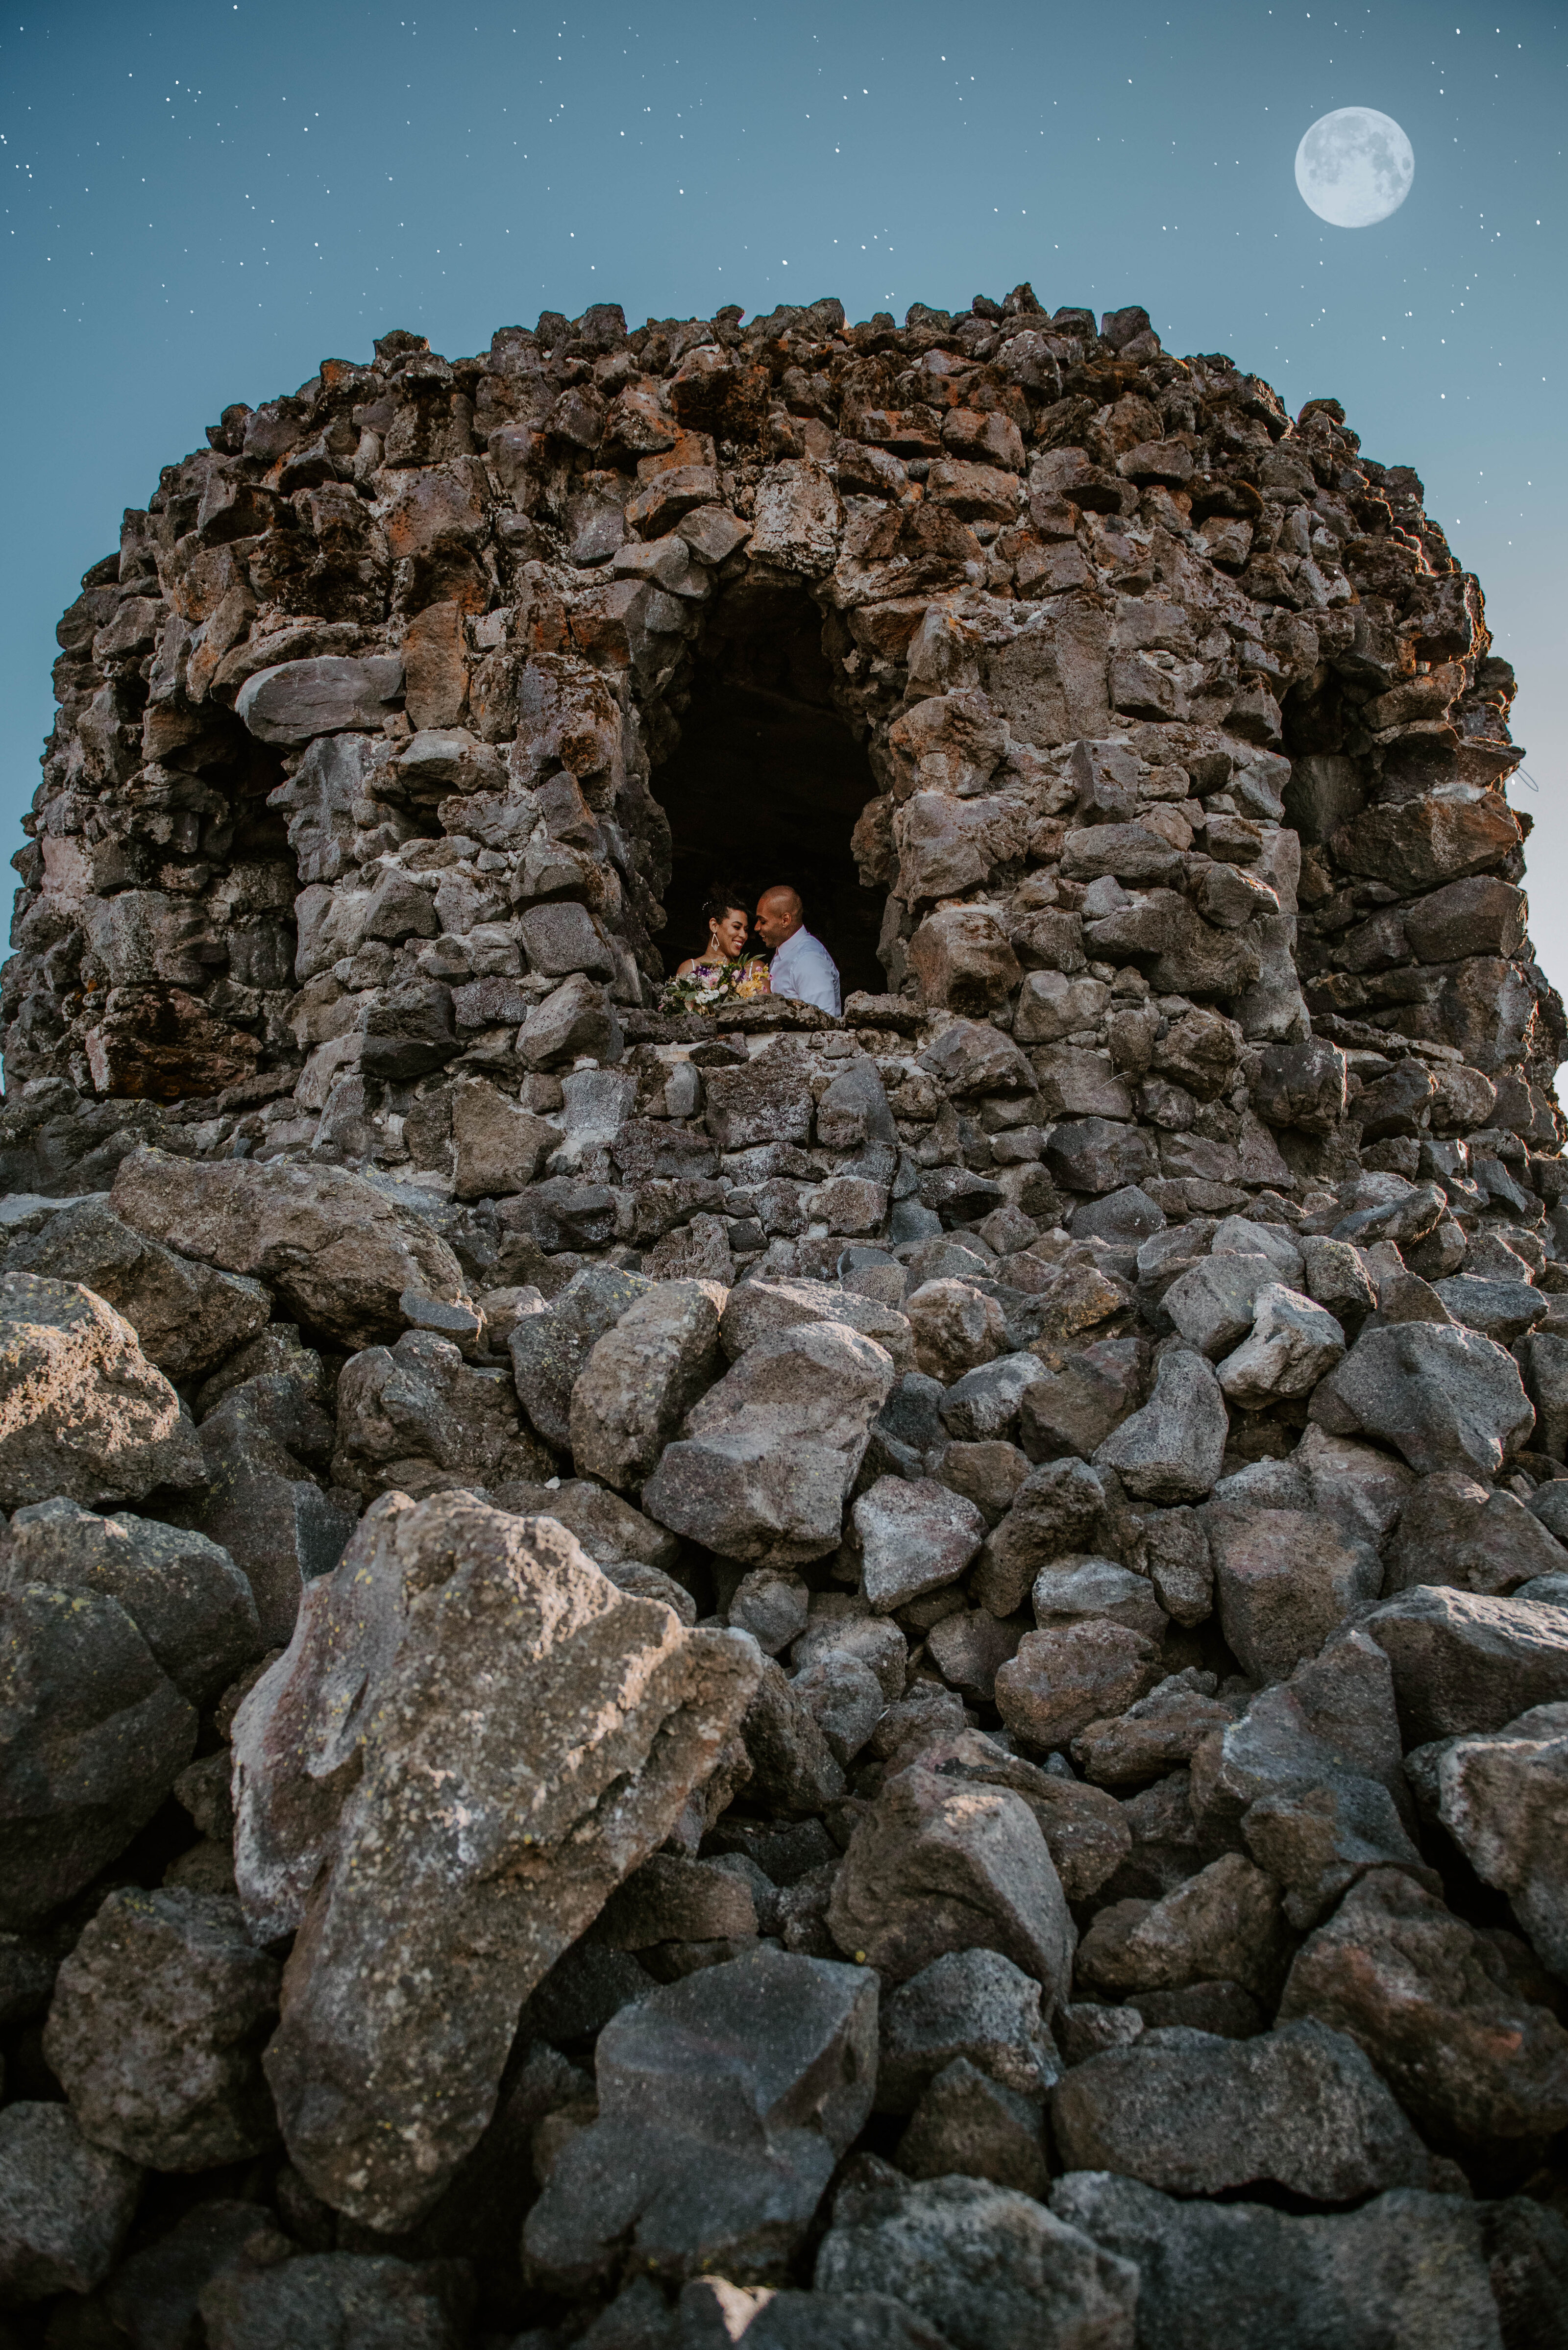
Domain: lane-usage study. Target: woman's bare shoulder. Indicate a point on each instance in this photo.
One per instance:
(682, 969)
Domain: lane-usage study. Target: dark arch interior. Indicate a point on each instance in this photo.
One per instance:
(766, 781)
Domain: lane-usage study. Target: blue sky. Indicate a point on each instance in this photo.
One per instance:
(202, 201)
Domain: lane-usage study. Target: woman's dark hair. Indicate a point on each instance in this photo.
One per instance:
(722, 899)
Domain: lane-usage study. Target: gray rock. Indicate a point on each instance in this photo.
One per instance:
(156, 2030)
(65, 2205)
(1074, 1590)
(915, 1536)
(499, 1146)
(1055, 1512)
(766, 1458)
(1075, 1409)
(262, 1501)
(339, 1253)
(415, 1418)
(1171, 1548)
(992, 2269)
(1221, 1926)
(938, 1865)
(1504, 1801)
(1185, 2111)
(1158, 1734)
(985, 1404)
(967, 2125)
(672, 1900)
(793, 1767)
(187, 1316)
(1315, 1841)
(724, 2103)
(184, 1593)
(1445, 1398)
(86, 1414)
(1213, 1302)
(974, 2004)
(492, 1643)
(1282, 1580)
(757, 1309)
(96, 1735)
(1503, 1310)
(1293, 1343)
(1408, 2267)
(349, 2297)
(608, 1528)
(1453, 1531)
(643, 1378)
(578, 1018)
(298, 700)
(1061, 1680)
(955, 1327)
(550, 1351)
(1432, 2002)
(1464, 1663)
(1172, 1450)
(153, 2296)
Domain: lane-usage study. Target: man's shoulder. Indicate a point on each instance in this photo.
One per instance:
(812, 944)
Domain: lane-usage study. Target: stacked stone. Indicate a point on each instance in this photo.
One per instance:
(900, 1681)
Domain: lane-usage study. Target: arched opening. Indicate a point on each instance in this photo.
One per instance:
(766, 781)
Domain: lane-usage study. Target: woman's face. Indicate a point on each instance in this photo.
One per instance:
(729, 936)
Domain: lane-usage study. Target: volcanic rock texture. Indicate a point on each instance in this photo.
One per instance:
(897, 1682)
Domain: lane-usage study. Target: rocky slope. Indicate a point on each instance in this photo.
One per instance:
(892, 1683)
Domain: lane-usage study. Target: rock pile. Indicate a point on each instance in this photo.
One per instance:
(897, 1682)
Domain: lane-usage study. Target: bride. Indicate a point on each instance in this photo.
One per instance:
(724, 967)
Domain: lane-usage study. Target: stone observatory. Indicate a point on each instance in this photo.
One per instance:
(883, 1680)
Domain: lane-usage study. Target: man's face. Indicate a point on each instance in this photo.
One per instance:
(775, 919)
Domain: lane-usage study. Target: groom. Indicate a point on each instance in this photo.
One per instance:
(802, 966)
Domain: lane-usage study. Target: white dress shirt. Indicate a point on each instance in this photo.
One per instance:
(804, 968)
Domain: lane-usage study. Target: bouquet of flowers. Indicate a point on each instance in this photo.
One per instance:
(713, 987)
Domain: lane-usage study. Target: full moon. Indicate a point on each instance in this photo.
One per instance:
(1354, 166)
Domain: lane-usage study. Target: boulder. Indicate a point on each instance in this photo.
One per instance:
(1454, 1531)
(338, 1251)
(83, 1413)
(1445, 1398)
(184, 1593)
(1432, 2002)
(1299, 2108)
(1503, 1798)
(967, 2125)
(415, 1418)
(1061, 1680)
(152, 2297)
(298, 700)
(1293, 1344)
(608, 1528)
(759, 1308)
(425, 1772)
(1220, 1926)
(1465, 1663)
(96, 1734)
(991, 2267)
(941, 1865)
(915, 1536)
(985, 1405)
(1160, 1732)
(576, 1018)
(263, 1501)
(765, 1460)
(724, 2103)
(955, 1328)
(550, 1350)
(973, 2005)
(188, 1317)
(1407, 2267)
(499, 1145)
(65, 2205)
(1282, 1580)
(1173, 1449)
(347, 2297)
(1054, 1510)
(156, 2030)
(643, 1378)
